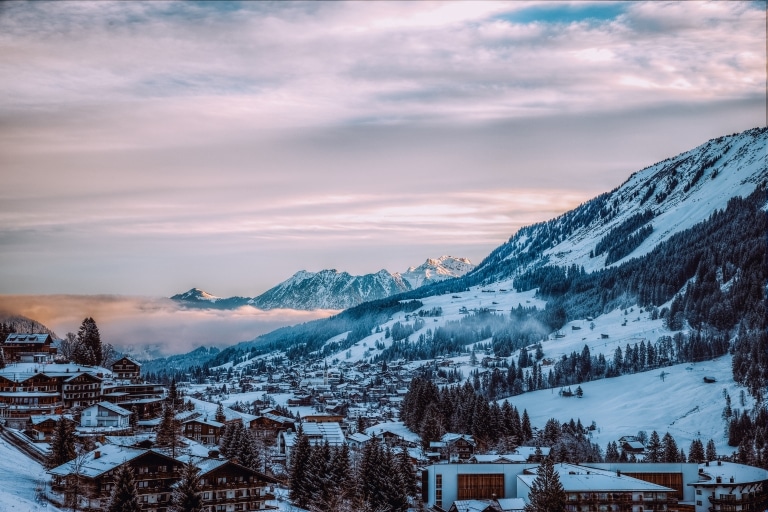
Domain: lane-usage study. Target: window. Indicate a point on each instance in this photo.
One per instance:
(143, 484)
(698, 491)
(206, 495)
(439, 490)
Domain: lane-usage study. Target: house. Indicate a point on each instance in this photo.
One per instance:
(454, 447)
(269, 425)
(105, 415)
(80, 390)
(357, 440)
(42, 427)
(126, 368)
(631, 445)
(202, 430)
(730, 486)
(317, 433)
(500, 505)
(28, 348)
(88, 479)
(226, 485)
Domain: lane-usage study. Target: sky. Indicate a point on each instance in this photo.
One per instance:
(149, 147)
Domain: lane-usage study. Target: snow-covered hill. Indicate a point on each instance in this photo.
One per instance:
(437, 269)
(654, 204)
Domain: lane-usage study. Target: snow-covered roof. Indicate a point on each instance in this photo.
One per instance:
(471, 505)
(359, 437)
(20, 337)
(450, 437)
(394, 427)
(99, 461)
(511, 504)
(579, 478)
(110, 407)
(741, 474)
(498, 458)
(317, 433)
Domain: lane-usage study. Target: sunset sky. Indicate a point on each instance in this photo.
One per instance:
(146, 148)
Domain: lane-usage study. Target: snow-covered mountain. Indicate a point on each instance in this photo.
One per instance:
(329, 289)
(437, 269)
(654, 204)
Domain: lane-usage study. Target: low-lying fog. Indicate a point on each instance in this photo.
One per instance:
(157, 326)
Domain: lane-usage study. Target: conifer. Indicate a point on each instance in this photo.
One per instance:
(547, 493)
(125, 495)
(186, 496)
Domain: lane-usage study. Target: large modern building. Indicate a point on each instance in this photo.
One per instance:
(620, 488)
(730, 487)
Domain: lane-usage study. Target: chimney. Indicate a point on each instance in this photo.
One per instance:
(731, 479)
(719, 479)
(618, 472)
(96, 454)
(719, 462)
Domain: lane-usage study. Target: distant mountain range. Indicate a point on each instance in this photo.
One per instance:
(331, 289)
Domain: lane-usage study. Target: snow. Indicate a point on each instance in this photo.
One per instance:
(680, 403)
(19, 476)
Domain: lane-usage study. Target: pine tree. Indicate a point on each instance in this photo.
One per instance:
(220, 417)
(186, 495)
(169, 431)
(527, 431)
(62, 444)
(696, 452)
(711, 450)
(299, 470)
(90, 340)
(547, 493)
(173, 395)
(653, 450)
(669, 450)
(125, 495)
(612, 452)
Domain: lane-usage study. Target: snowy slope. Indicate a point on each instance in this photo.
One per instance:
(19, 477)
(680, 192)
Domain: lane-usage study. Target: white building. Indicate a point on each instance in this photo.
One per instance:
(730, 486)
(105, 414)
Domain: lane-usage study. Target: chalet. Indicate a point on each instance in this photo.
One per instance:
(81, 389)
(105, 415)
(202, 430)
(41, 427)
(357, 440)
(28, 348)
(269, 425)
(126, 368)
(454, 447)
(316, 433)
(87, 480)
(631, 445)
(145, 397)
(226, 485)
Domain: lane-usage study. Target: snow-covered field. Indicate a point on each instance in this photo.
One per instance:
(19, 477)
(680, 403)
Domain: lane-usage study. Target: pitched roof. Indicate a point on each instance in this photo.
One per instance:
(99, 461)
(111, 407)
(20, 337)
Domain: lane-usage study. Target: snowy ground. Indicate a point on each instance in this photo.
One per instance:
(680, 403)
(19, 476)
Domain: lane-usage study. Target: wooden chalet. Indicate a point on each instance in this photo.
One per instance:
(28, 348)
(226, 485)
(126, 368)
(80, 390)
(202, 430)
(86, 482)
(269, 425)
(41, 428)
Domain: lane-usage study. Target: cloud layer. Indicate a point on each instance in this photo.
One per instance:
(149, 325)
(148, 147)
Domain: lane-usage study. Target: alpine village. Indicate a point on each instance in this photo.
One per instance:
(614, 358)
